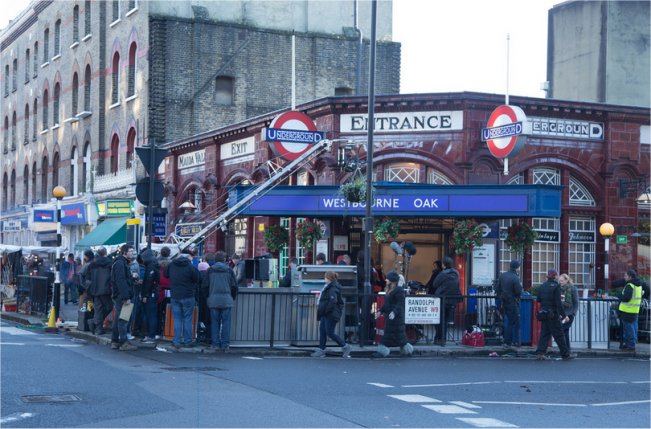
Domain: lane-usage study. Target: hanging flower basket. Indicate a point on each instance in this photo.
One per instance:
(355, 190)
(520, 237)
(275, 237)
(386, 229)
(467, 234)
(308, 233)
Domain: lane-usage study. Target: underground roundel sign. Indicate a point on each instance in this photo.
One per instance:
(504, 133)
(291, 134)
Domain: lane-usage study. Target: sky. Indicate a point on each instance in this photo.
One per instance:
(457, 45)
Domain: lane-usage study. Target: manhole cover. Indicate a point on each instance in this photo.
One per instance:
(50, 398)
(193, 368)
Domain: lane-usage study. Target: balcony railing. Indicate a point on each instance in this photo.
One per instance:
(113, 181)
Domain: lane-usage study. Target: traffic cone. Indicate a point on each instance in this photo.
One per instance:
(51, 323)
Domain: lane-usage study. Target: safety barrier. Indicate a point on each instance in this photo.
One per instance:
(33, 295)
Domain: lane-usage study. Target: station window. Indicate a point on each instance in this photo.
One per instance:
(579, 194)
(581, 251)
(545, 251)
(436, 178)
(283, 256)
(403, 173)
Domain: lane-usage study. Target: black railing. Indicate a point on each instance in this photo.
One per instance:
(34, 295)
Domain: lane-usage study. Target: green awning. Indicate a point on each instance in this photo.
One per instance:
(111, 231)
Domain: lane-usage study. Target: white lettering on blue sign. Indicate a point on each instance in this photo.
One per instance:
(501, 131)
(293, 136)
(427, 203)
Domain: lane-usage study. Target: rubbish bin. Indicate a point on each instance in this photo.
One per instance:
(526, 311)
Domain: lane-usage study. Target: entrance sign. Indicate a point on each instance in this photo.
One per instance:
(403, 122)
(291, 134)
(422, 310)
(504, 133)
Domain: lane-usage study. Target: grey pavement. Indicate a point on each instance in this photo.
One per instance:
(68, 313)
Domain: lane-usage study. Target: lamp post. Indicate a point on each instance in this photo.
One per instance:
(606, 230)
(59, 192)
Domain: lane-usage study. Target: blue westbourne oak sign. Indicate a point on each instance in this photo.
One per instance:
(410, 200)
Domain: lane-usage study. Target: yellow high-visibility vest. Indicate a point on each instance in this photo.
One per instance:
(632, 306)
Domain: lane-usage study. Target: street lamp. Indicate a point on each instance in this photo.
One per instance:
(606, 230)
(59, 192)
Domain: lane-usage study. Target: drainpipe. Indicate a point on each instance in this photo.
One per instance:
(360, 45)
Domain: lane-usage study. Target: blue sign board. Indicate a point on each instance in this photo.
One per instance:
(44, 216)
(293, 136)
(73, 214)
(160, 225)
(411, 200)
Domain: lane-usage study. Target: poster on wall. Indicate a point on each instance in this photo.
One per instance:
(483, 265)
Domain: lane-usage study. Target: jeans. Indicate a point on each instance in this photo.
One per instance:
(327, 329)
(512, 328)
(629, 330)
(70, 292)
(151, 315)
(119, 328)
(220, 318)
(182, 310)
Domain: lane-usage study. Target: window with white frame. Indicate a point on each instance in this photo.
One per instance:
(436, 178)
(239, 229)
(545, 251)
(546, 176)
(403, 173)
(300, 251)
(579, 194)
(283, 255)
(581, 251)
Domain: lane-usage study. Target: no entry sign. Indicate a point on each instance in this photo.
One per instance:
(291, 134)
(504, 131)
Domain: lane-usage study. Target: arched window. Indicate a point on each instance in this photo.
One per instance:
(87, 89)
(6, 80)
(46, 45)
(131, 144)
(75, 23)
(74, 172)
(14, 80)
(28, 58)
(55, 170)
(46, 102)
(436, 178)
(546, 176)
(57, 37)
(34, 119)
(57, 97)
(407, 172)
(87, 17)
(35, 59)
(85, 177)
(26, 125)
(5, 146)
(26, 185)
(34, 182)
(131, 81)
(579, 194)
(12, 193)
(115, 147)
(44, 185)
(13, 131)
(5, 190)
(75, 93)
(115, 79)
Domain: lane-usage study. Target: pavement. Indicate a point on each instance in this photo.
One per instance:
(450, 349)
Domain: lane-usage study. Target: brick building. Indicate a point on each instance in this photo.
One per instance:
(591, 152)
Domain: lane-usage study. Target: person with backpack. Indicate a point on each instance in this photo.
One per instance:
(123, 292)
(329, 311)
(149, 294)
(99, 276)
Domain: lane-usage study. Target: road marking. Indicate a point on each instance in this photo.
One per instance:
(645, 382)
(11, 344)
(252, 357)
(380, 385)
(486, 422)
(451, 384)
(565, 382)
(529, 403)
(14, 331)
(449, 409)
(15, 417)
(414, 398)
(621, 403)
(63, 345)
(464, 404)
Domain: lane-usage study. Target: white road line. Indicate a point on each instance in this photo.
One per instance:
(414, 398)
(486, 423)
(451, 384)
(252, 357)
(621, 403)
(645, 382)
(449, 409)
(380, 385)
(529, 403)
(465, 404)
(11, 344)
(14, 331)
(63, 345)
(15, 417)
(564, 382)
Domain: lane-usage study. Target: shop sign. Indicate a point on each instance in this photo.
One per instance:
(422, 310)
(549, 236)
(567, 128)
(582, 236)
(238, 151)
(44, 216)
(11, 225)
(101, 209)
(46, 236)
(118, 208)
(73, 214)
(621, 239)
(340, 243)
(188, 229)
(191, 162)
(403, 122)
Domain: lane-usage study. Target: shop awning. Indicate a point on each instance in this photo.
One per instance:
(111, 231)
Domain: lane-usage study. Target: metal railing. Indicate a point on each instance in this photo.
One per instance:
(33, 295)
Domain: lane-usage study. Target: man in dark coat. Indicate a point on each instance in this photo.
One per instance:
(438, 267)
(184, 285)
(509, 290)
(446, 286)
(98, 275)
(222, 292)
(149, 294)
(394, 313)
(549, 296)
(239, 269)
(123, 292)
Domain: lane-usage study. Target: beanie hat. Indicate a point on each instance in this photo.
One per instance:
(515, 265)
(203, 266)
(552, 274)
(393, 277)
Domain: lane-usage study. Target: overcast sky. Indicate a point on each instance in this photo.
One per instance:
(456, 45)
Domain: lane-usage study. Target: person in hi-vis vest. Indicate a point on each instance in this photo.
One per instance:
(629, 307)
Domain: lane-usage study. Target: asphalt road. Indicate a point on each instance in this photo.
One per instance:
(101, 387)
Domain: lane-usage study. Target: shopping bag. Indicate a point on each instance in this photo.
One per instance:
(474, 338)
(125, 313)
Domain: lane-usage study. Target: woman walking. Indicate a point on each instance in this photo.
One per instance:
(331, 307)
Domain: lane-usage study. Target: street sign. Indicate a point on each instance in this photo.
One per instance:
(144, 153)
(290, 134)
(160, 224)
(142, 192)
(621, 239)
(504, 131)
